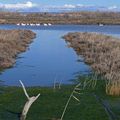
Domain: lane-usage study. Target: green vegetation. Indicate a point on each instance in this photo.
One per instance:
(61, 18)
(51, 103)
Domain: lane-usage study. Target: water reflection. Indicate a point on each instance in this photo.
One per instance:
(48, 56)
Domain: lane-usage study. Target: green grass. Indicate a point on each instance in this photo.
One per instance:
(50, 105)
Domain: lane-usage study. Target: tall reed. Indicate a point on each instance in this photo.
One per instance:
(101, 52)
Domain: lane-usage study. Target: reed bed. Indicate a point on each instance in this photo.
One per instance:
(13, 42)
(102, 53)
(83, 17)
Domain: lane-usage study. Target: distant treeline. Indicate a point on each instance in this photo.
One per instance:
(61, 18)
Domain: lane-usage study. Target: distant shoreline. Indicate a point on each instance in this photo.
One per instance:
(75, 18)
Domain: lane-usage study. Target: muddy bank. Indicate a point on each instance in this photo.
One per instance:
(102, 53)
(13, 42)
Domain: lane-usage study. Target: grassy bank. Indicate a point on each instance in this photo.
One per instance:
(51, 103)
(101, 52)
(13, 42)
(61, 18)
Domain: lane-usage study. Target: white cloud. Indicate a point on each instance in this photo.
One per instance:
(65, 7)
(82, 6)
(28, 4)
(112, 7)
(69, 6)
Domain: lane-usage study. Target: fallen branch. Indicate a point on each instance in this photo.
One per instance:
(30, 101)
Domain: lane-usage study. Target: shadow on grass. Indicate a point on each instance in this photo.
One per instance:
(17, 114)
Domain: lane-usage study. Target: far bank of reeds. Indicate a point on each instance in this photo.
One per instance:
(13, 42)
(102, 53)
(83, 18)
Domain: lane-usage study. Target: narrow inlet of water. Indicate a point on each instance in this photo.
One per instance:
(48, 57)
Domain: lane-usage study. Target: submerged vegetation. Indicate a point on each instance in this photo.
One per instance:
(13, 42)
(101, 52)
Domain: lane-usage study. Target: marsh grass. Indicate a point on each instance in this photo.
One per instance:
(61, 18)
(13, 42)
(101, 52)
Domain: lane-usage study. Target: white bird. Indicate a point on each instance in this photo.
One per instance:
(38, 24)
(101, 25)
(18, 23)
(49, 24)
(23, 24)
(32, 24)
(45, 24)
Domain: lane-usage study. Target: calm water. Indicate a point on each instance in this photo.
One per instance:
(48, 57)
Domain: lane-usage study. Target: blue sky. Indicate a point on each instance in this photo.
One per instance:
(60, 5)
(62, 2)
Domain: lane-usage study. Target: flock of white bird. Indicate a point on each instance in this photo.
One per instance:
(31, 24)
(38, 24)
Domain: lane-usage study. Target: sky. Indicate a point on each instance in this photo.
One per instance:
(47, 5)
(62, 2)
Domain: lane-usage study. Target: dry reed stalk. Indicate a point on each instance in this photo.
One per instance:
(13, 42)
(101, 52)
(72, 95)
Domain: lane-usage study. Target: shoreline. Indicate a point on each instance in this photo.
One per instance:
(55, 99)
(78, 18)
(12, 43)
(101, 53)
(64, 24)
